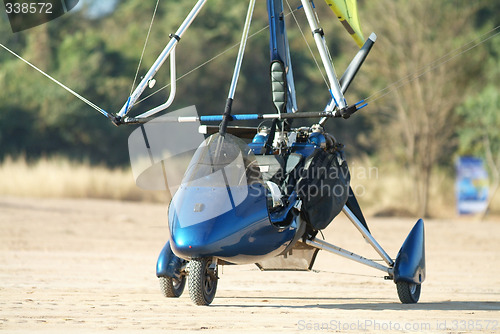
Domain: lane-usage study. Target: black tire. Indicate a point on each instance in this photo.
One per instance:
(409, 293)
(202, 281)
(172, 287)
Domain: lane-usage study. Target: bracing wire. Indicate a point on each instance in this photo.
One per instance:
(144, 48)
(93, 105)
(327, 49)
(433, 65)
(375, 96)
(210, 60)
(201, 65)
(308, 46)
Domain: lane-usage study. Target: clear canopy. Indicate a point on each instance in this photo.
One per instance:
(166, 155)
(222, 161)
(216, 181)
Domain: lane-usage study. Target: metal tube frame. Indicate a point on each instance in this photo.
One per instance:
(367, 235)
(226, 116)
(241, 51)
(238, 117)
(167, 51)
(173, 88)
(352, 70)
(356, 62)
(325, 57)
(321, 244)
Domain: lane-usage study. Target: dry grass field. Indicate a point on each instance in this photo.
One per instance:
(61, 178)
(380, 189)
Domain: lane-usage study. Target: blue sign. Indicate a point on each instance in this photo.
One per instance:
(471, 185)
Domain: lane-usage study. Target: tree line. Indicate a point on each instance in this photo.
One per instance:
(433, 92)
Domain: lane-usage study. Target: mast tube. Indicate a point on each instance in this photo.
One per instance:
(279, 48)
(237, 69)
(352, 70)
(241, 52)
(325, 58)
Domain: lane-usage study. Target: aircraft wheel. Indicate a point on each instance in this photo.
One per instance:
(202, 281)
(172, 287)
(408, 293)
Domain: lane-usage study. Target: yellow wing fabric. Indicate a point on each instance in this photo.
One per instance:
(347, 12)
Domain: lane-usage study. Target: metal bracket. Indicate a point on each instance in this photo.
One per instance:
(367, 235)
(169, 50)
(321, 244)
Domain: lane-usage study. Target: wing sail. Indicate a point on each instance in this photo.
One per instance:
(347, 12)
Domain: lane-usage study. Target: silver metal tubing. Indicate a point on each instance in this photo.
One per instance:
(367, 235)
(321, 244)
(173, 88)
(325, 57)
(352, 70)
(161, 59)
(241, 52)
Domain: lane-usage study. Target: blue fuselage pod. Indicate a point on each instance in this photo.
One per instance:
(230, 223)
(409, 265)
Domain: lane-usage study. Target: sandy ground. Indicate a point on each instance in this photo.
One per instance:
(89, 266)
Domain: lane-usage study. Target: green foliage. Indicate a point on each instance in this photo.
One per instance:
(481, 115)
(478, 133)
(97, 57)
(39, 117)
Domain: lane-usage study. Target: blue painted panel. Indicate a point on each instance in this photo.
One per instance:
(168, 264)
(410, 262)
(279, 48)
(306, 149)
(243, 234)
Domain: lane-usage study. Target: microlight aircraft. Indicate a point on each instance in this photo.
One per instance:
(266, 199)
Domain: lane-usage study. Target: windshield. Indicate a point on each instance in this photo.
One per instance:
(160, 151)
(217, 180)
(222, 161)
